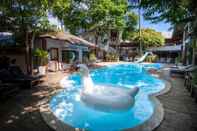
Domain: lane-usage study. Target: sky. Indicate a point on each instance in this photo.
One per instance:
(53, 20)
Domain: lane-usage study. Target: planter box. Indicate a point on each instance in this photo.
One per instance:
(42, 70)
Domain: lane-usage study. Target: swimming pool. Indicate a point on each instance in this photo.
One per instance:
(67, 107)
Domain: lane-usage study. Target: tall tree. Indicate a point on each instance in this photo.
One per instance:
(149, 38)
(24, 18)
(82, 15)
(131, 25)
(174, 11)
(99, 16)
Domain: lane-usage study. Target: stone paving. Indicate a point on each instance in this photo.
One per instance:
(21, 111)
(179, 108)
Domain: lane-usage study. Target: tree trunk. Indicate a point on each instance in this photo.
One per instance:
(30, 52)
(27, 52)
(96, 42)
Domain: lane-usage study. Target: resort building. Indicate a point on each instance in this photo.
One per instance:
(170, 52)
(128, 50)
(64, 49)
(107, 42)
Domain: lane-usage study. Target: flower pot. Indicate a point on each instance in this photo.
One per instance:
(42, 70)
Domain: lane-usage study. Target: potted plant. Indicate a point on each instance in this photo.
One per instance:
(178, 60)
(92, 57)
(41, 60)
(107, 56)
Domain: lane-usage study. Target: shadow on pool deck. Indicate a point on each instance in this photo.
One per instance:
(21, 112)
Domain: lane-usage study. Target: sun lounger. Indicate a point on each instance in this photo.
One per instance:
(179, 69)
(16, 76)
(182, 70)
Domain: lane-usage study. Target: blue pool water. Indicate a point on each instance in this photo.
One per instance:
(66, 105)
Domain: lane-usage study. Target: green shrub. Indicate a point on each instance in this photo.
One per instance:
(178, 59)
(92, 57)
(112, 57)
(151, 58)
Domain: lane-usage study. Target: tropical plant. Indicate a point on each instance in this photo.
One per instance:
(151, 58)
(149, 38)
(178, 59)
(131, 25)
(41, 57)
(173, 11)
(92, 57)
(112, 57)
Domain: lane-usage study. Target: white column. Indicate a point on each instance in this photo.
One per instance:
(80, 55)
(60, 58)
(193, 56)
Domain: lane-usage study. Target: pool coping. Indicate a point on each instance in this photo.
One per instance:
(153, 122)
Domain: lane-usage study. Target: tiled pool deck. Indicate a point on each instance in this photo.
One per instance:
(21, 111)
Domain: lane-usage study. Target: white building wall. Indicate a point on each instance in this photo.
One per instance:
(62, 45)
(52, 43)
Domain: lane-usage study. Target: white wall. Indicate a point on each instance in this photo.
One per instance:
(56, 44)
(62, 45)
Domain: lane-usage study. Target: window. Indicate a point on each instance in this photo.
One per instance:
(69, 56)
(54, 54)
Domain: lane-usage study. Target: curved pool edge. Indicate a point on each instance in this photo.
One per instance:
(158, 115)
(153, 122)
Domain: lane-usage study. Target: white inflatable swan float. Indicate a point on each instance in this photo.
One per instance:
(104, 97)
